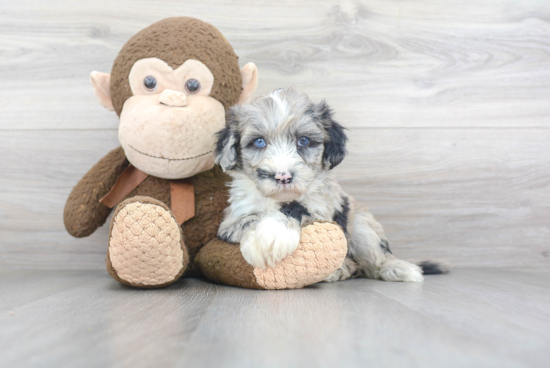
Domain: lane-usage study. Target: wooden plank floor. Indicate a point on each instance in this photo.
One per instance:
(469, 318)
(447, 105)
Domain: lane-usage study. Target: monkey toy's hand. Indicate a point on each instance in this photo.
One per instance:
(274, 238)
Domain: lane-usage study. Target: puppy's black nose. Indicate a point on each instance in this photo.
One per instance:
(283, 178)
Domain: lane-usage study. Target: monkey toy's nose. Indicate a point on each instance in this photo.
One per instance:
(173, 98)
(283, 178)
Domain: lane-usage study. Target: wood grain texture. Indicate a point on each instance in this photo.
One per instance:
(447, 105)
(379, 63)
(470, 318)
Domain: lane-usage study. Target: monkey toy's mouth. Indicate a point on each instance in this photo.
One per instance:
(169, 166)
(168, 158)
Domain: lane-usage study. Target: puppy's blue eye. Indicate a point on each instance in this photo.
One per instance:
(259, 142)
(303, 141)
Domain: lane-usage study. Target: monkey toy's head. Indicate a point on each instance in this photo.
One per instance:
(171, 84)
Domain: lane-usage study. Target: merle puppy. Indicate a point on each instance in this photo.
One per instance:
(280, 151)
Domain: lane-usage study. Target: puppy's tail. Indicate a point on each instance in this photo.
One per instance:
(434, 267)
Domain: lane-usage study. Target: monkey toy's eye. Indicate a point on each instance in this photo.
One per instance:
(303, 141)
(259, 142)
(192, 86)
(150, 83)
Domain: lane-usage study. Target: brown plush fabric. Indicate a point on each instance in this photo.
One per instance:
(153, 187)
(176, 40)
(83, 213)
(223, 263)
(211, 194)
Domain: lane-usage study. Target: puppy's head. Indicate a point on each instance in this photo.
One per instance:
(282, 141)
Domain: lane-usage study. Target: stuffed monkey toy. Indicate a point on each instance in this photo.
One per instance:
(171, 85)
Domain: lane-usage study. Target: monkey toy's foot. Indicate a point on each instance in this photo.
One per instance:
(322, 250)
(146, 246)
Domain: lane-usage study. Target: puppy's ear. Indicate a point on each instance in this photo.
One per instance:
(227, 147)
(335, 146)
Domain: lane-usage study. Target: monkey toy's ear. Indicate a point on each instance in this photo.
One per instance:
(227, 147)
(249, 75)
(101, 82)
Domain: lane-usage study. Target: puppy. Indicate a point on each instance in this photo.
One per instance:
(280, 151)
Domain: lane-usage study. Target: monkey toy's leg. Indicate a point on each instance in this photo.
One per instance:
(321, 251)
(146, 247)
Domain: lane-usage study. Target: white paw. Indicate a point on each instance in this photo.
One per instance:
(399, 270)
(270, 242)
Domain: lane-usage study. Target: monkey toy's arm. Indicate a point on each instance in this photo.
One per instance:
(322, 250)
(83, 213)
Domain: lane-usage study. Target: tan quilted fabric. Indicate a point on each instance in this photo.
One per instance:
(322, 250)
(145, 244)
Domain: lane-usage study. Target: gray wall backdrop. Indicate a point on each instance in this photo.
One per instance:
(447, 105)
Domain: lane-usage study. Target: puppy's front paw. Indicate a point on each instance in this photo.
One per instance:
(250, 250)
(270, 242)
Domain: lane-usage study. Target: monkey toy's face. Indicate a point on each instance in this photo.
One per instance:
(171, 109)
(167, 127)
